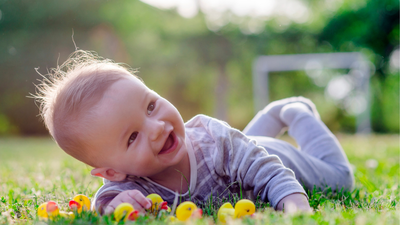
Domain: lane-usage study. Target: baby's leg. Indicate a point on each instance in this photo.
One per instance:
(316, 140)
(267, 121)
(320, 161)
(309, 171)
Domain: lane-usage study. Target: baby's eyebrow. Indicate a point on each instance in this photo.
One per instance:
(105, 96)
(123, 138)
(126, 132)
(144, 100)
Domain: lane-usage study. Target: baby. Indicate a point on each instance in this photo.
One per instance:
(100, 113)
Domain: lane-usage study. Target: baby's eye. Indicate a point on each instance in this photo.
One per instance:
(150, 107)
(132, 137)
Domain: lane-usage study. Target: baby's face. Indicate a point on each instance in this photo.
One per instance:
(135, 131)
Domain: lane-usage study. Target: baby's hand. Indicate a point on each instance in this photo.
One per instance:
(294, 203)
(134, 197)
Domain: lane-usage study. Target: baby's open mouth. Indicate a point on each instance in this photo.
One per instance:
(170, 144)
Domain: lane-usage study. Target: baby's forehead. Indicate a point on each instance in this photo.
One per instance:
(94, 80)
(125, 91)
(83, 89)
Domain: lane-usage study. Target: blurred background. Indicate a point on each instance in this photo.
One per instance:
(199, 53)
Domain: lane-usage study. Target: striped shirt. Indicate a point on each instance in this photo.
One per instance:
(223, 162)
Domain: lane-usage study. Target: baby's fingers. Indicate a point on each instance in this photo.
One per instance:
(141, 201)
(133, 197)
(113, 204)
(109, 209)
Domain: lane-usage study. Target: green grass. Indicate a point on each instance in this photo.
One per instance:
(35, 170)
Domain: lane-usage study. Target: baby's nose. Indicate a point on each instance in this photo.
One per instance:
(156, 129)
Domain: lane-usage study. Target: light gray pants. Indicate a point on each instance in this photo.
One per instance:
(320, 160)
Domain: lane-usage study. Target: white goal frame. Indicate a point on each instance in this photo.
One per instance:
(347, 60)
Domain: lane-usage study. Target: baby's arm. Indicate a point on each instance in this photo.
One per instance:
(242, 161)
(134, 197)
(293, 203)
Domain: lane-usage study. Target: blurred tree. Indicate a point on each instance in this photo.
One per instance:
(199, 70)
(33, 34)
(373, 29)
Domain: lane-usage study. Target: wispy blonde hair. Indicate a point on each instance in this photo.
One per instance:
(68, 92)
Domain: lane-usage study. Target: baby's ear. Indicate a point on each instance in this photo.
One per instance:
(108, 174)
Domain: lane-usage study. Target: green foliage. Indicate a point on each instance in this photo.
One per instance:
(198, 70)
(368, 26)
(390, 103)
(29, 178)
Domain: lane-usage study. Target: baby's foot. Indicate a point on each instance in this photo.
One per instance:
(290, 111)
(276, 107)
(268, 122)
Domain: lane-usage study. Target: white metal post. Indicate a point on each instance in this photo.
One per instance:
(347, 60)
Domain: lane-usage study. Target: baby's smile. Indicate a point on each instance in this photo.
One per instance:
(170, 144)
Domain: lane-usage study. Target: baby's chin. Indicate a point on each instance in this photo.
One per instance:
(180, 158)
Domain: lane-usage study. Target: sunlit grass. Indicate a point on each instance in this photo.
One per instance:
(35, 170)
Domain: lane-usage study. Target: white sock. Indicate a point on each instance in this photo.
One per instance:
(268, 122)
(290, 111)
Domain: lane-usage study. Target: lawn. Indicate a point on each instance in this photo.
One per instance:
(35, 170)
